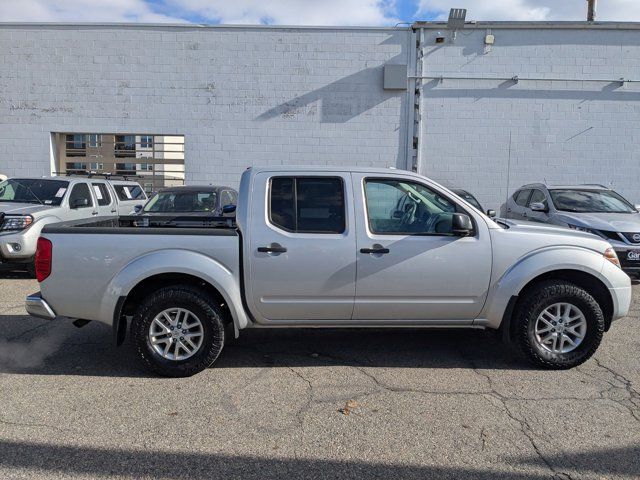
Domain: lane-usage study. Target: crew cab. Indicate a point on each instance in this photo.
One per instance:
(319, 247)
(28, 204)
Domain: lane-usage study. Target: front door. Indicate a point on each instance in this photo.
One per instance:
(517, 205)
(410, 265)
(301, 249)
(537, 196)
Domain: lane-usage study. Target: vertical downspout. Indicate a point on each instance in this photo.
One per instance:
(419, 104)
(591, 11)
(410, 151)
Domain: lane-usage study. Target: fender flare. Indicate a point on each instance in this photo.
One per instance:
(173, 261)
(532, 266)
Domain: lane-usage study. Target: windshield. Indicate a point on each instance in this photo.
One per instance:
(590, 201)
(33, 190)
(186, 201)
(471, 199)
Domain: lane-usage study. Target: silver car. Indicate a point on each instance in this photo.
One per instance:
(589, 208)
(28, 204)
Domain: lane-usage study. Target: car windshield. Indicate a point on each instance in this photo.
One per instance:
(182, 201)
(590, 201)
(33, 190)
(471, 199)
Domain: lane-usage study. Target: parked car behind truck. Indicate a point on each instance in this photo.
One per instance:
(28, 204)
(316, 247)
(588, 208)
(192, 200)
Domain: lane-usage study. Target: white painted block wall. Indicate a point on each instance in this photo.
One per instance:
(241, 96)
(561, 131)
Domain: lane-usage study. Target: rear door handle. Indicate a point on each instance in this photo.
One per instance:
(273, 248)
(379, 249)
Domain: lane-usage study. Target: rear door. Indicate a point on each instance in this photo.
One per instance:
(301, 247)
(517, 207)
(107, 205)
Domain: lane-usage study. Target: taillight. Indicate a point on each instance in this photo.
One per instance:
(44, 253)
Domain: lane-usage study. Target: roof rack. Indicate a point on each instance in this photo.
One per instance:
(595, 185)
(90, 174)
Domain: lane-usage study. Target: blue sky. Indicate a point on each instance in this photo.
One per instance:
(305, 12)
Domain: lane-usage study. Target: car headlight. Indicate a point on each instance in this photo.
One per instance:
(610, 254)
(585, 229)
(18, 222)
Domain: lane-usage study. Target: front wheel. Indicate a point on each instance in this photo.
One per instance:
(558, 325)
(178, 331)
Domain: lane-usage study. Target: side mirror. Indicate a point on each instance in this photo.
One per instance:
(137, 208)
(538, 207)
(79, 202)
(491, 213)
(461, 224)
(229, 209)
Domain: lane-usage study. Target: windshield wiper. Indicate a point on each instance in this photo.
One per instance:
(30, 191)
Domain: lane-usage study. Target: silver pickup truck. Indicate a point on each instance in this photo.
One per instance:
(344, 247)
(28, 204)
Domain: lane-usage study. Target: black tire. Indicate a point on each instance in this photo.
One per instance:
(532, 305)
(200, 304)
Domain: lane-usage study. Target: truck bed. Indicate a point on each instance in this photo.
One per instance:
(88, 255)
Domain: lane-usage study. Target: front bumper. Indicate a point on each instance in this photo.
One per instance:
(38, 307)
(629, 259)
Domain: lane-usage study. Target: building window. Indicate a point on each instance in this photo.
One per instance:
(126, 168)
(75, 145)
(76, 167)
(146, 141)
(95, 140)
(146, 167)
(125, 146)
(96, 167)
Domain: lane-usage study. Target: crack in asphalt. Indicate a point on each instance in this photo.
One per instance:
(28, 424)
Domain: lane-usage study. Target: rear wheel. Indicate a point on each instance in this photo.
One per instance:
(558, 325)
(178, 331)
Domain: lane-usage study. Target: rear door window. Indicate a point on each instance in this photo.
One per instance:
(307, 204)
(102, 194)
(129, 192)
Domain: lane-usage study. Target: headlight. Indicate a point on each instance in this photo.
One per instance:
(19, 222)
(610, 254)
(588, 230)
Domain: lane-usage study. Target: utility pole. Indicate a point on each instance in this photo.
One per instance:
(591, 10)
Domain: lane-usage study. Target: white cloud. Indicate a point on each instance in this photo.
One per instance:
(292, 12)
(608, 10)
(80, 11)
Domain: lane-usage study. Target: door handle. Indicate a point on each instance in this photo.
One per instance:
(375, 249)
(94, 213)
(273, 248)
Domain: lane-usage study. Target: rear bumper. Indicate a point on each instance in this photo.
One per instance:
(38, 307)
